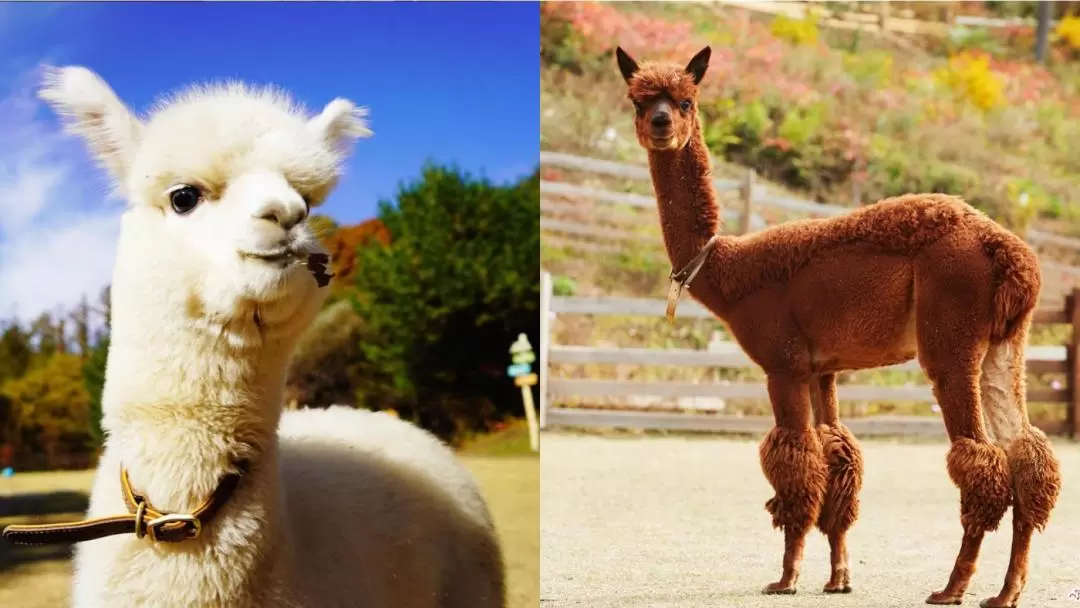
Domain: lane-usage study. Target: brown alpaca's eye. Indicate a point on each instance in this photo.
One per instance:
(639, 107)
(184, 199)
(685, 105)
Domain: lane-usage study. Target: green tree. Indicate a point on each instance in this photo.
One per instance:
(93, 375)
(46, 333)
(15, 355)
(15, 352)
(444, 300)
(51, 405)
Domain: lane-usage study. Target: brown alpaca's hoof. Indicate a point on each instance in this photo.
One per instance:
(839, 582)
(778, 589)
(941, 598)
(843, 588)
(997, 602)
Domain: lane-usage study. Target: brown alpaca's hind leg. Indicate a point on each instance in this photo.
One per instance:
(952, 335)
(792, 460)
(843, 457)
(980, 470)
(1036, 480)
(1033, 469)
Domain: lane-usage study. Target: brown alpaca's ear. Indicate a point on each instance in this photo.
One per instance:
(699, 64)
(627, 65)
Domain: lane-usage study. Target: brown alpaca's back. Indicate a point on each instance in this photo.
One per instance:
(899, 227)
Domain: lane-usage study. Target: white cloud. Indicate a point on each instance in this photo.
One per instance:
(57, 230)
(25, 195)
(55, 266)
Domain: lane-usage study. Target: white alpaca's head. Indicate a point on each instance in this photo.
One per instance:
(219, 180)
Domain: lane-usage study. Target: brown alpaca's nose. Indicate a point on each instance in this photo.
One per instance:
(661, 120)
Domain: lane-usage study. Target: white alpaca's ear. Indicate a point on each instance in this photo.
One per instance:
(88, 107)
(340, 123)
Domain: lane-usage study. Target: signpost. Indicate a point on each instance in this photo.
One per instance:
(522, 357)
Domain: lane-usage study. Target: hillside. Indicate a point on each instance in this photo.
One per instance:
(827, 113)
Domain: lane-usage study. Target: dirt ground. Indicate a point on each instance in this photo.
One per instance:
(662, 522)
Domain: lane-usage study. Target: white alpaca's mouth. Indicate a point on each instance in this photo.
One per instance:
(283, 254)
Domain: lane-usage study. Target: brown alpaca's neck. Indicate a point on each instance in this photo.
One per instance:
(686, 199)
(689, 211)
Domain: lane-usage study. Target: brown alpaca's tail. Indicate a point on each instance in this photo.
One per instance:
(1016, 268)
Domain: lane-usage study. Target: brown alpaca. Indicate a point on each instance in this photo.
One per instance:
(918, 274)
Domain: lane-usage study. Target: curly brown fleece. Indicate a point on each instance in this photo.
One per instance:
(844, 460)
(981, 471)
(793, 463)
(1036, 478)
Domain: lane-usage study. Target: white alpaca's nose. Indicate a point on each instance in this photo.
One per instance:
(268, 196)
(282, 213)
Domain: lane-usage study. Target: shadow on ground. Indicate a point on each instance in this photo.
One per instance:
(32, 508)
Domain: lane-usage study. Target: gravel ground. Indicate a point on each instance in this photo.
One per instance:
(681, 522)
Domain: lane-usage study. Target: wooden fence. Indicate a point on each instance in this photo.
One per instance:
(1040, 360)
(885, 16)
(567, 224)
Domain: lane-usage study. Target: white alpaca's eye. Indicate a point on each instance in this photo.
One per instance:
(184, 199)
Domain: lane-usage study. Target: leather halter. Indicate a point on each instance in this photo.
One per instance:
(681, 280)
(142, 519)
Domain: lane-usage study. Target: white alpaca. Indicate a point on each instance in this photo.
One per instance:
(209, 296)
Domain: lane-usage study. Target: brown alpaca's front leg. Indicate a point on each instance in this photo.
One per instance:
(844, 459)
(792, 460)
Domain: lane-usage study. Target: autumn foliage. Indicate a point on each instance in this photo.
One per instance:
(344, 242)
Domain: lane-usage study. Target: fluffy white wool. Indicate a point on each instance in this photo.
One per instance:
(341, 507)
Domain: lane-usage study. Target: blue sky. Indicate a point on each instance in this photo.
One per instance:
(455, 83)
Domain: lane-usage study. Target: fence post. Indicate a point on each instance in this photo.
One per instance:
(545, 342)
(747, 198)
(1072, 415)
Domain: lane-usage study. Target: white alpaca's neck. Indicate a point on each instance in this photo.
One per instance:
(186, 397)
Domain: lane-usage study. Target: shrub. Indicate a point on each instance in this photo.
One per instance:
(1068, 31)
(795, 31)
(969, 76)
(563, 286)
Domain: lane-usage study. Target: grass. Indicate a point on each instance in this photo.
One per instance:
(511, 440)
(508, 474)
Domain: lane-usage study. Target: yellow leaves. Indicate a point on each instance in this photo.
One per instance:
(51, 400)
(969, 76)
(795, 31)
(1068, 29)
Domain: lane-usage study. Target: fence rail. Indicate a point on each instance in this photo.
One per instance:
(587, 235)
(1040, 360)
(761, 195)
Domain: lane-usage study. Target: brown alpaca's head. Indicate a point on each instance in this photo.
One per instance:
(665, 98)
